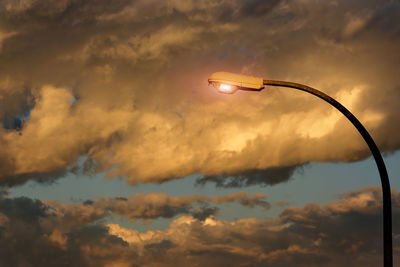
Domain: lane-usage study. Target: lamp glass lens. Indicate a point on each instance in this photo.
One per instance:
(226, 88)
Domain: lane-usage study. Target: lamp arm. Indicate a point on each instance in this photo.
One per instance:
(386, 194)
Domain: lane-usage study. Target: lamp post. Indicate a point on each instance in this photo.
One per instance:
(229, 83)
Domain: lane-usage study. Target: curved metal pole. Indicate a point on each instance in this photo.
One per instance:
(386, 195)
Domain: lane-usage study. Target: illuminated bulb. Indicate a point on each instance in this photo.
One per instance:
(226, 88)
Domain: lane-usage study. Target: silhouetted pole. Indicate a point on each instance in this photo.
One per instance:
(386, 195)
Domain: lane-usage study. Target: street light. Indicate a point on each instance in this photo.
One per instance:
(229, 83)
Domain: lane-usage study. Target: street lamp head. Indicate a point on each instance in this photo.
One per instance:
(229, 83)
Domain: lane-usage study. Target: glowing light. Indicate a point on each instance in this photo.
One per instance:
(226, 88)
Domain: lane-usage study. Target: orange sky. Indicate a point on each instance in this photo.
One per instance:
(122, 84)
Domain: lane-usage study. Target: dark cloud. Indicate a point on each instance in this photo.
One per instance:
(257, 7)
(67, 13)
(159, 247)
(15, 107)
(269, 176)
(381, 22)
(92, 245)
(147, 207)
(88, 202)
(69, 235)
(21, 233)
(204, 212)
(121, 198)
(299, 236)
(22, 208)
(152, 205)
(41, 177)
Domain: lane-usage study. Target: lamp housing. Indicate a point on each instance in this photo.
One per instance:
(222, 80)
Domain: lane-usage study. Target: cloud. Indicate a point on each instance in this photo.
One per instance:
(61, 216)
(152, 206)
(264, 177)
(299, 236)
(55, 122)
(124, 85)
(257, 7)
(75, 234)
(44, 233)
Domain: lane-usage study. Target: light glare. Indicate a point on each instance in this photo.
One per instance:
(226, 88)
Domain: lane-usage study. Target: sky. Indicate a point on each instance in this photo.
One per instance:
(114, 151)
